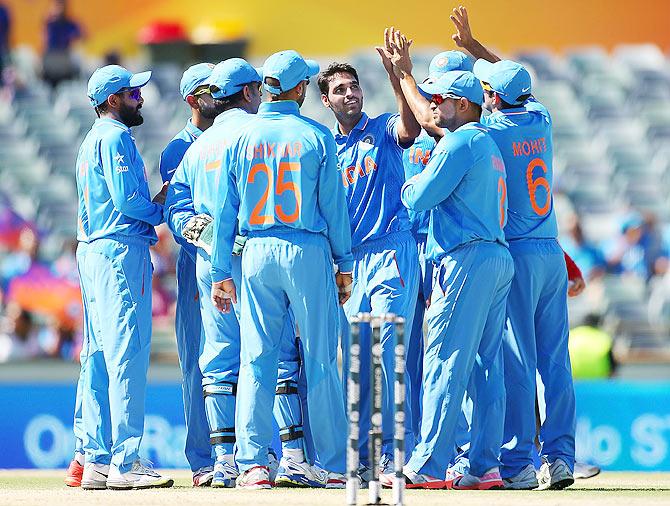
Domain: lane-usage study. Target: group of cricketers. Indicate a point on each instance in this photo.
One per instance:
(441, 213)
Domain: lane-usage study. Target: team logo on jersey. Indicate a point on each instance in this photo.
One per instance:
(121, 168)
(119, 158)
(368, 139)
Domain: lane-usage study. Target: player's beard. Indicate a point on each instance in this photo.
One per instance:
(130, 116)
(209, 111)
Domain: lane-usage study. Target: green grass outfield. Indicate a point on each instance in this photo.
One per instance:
(28, 487)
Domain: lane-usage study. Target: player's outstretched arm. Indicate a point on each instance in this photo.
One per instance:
(419, 105)
(464, 38)
(408, 127)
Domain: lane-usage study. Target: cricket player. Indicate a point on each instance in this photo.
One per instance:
(193, 194)
(414, 161)
(116, 218)
(233, 96)
(537, 326)
(188, 323)
(464, 185)
(283, 186)
(386, 270)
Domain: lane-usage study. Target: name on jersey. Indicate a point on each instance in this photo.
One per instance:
(352, 173)
(531, 147)
(498, 164)
(417, 155)
(274, 150)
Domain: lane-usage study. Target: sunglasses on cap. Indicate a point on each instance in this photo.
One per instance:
(440, 98)
(134, 93)
(203, 91)
(487, 87)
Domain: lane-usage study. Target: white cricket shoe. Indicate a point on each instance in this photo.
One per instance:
(525, 480)
(94, 476)
(254, 478)
(300, 474)
(140, 476)
(225, 472)
(336, 480)
(554, 476)
(203, 476)
(585, 471)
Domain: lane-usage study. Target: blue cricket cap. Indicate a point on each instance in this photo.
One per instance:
(230, 76)
(460, 83)
(289, 68)
(111, 79)
(195, 76)
(448, 60)
(507, 78)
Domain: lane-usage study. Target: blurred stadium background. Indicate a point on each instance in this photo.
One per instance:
(603, 71)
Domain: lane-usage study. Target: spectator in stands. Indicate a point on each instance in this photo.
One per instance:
(591, 350)
(586, 255)
(61, 32)
(19, 337)
(638, 250)
(5, 24)
(65, 265)
(19, 262)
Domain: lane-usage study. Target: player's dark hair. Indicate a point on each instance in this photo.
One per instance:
(334, 68)
(234, 100)
(102, 108)
(506, 105)
(477, 108)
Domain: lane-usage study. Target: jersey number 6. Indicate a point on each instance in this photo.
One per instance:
(256, 217)
(533, 184)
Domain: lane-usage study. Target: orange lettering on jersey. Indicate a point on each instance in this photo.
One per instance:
(532, 146)
(213, 165)
(498, 164)
(297, 148)
(370, 165)
(350, 174)
(259, 151)
(270, 149)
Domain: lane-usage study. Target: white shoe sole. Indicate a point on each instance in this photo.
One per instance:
(93, 485)
(164, 483)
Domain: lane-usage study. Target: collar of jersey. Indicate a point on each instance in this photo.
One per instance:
(362, 123)
(472, 126)
(112, 122)
(192, 129)
(230, 112)
(511, 111)
(281, 106)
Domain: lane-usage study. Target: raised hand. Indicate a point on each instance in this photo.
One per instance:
(463, 36)
(400, 56)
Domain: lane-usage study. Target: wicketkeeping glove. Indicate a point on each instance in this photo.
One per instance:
(199, 231)
(238, 247)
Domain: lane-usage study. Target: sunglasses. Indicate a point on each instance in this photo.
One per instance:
(487, 87)
(440, 98)
(204, 91)
(134, 93)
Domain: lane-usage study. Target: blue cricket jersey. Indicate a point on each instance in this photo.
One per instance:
(464, 185)
(414, 161)
(170, 158)
(282, 174)
(523, 135)
(112, 187)
(371, 171)
(195, 182)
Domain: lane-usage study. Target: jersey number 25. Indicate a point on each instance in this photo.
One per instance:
(282, 186)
